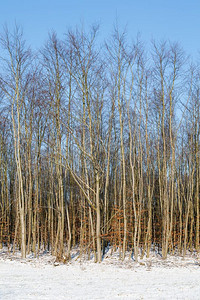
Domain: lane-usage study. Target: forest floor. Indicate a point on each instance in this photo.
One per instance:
(152, 278)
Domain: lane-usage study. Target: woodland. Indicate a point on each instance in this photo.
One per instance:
(99, 146)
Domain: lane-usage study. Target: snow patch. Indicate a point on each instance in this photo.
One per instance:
(149, 278)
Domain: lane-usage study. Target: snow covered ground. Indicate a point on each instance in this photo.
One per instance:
(153, 278)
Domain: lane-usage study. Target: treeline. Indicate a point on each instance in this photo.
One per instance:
(99, 145)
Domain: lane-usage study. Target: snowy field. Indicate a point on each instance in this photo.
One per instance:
(153, 278)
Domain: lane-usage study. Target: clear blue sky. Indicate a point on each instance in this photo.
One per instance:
(160, 19)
